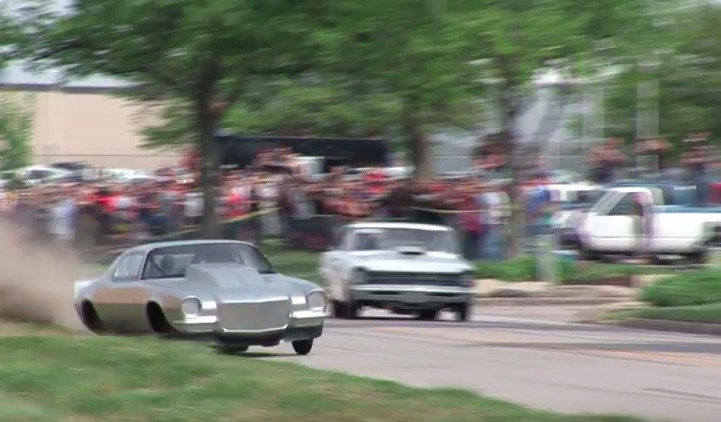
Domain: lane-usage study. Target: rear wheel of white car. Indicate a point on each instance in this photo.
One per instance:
(463, 312)
(302, 347)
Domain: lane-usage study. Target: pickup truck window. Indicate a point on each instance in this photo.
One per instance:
(624, 206)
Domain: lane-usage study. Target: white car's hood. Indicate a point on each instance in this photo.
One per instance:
(392, 261)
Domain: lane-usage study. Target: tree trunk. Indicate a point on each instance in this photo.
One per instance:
(209, 169)
(416, 142)
(516, 225)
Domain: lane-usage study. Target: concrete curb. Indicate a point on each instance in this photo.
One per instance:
(672, 326)
(546, 301)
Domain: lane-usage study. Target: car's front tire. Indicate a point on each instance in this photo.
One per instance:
(302, 347)
(428, 314)
(464, 312)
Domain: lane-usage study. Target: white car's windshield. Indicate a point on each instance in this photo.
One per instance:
(368, 239)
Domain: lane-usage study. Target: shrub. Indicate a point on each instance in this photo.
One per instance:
(687, 289)
(525, 268)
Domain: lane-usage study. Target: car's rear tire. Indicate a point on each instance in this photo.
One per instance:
(428, 314)
(303, 347)
(90, 318)
(464, 312)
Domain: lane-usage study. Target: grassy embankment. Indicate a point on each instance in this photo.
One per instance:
(62, 378)
(688, 297)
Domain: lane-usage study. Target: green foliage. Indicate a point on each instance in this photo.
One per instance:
(525, 268)
(709, 314)
(687, 73)
(686, 289)
(16, 126)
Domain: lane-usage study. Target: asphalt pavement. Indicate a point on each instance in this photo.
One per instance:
(533, 357)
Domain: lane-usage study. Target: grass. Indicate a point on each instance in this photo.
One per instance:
(89, 379)
(709, 313)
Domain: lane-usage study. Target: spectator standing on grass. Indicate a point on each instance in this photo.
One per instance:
(62, 215)
(642, 225)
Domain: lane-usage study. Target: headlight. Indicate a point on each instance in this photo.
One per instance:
(317, 301)
(467, 279)
(359, 276)
(190, 307)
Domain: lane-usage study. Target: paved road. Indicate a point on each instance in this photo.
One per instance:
(537, 361)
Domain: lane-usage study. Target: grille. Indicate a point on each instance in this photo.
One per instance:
(423, 279)
(254, 316)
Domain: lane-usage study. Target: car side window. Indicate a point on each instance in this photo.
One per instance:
(624, 206)
(128, 267)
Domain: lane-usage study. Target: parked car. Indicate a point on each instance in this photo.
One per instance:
(679, 226)
(406, 268)
(222, 291)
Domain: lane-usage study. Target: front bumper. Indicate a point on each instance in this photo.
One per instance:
(409, 296)
(303, 325)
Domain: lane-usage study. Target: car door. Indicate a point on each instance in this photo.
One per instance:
(121, 301)
(617, 232)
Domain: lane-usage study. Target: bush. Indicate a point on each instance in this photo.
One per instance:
(693, 288)
(525, 269)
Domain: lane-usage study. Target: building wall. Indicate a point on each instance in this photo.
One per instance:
(90, 126)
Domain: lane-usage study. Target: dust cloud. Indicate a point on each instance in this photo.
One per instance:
(36, 280)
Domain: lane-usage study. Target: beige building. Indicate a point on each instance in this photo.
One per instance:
(82, 120)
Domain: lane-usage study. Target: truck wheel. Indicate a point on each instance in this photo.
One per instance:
(697, 258)
(302, 347)
(464, 312)
(338, 308)
(428, 314)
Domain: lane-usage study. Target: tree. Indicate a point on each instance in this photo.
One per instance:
(421, 52)
(16, 126)
(687, 73)
(199, 55)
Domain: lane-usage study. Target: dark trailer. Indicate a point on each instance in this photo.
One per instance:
(354, 152)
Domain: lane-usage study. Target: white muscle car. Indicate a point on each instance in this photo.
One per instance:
(406, 268)
(677, 226)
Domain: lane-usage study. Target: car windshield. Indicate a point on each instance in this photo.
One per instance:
(172, 261)
(367, 239)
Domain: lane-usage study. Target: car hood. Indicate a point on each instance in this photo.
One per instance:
(235, 282)
(393, 261)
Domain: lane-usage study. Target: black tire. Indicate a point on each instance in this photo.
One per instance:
(303, 347)
(232, 350)
(428, 314)
(338, 308)
(698, 257)
(349, 309)
(464, 312)
(90, 318)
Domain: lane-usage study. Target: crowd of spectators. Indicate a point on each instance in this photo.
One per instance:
(94, 212)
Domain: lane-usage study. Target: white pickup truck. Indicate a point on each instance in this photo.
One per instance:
(678, 226)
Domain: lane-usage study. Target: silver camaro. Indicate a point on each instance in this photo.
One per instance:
(224, 291)
(407, 268)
